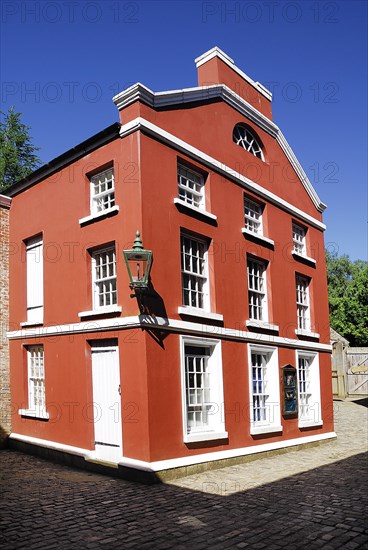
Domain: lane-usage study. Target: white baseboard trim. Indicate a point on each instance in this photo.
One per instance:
(182, 461)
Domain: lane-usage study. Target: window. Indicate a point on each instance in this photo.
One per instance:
(34, 262)
(257, 289)
(191, 187)
(102, 191)
(264, 385)
(302, 302)
(202, 389)
(36, 383)
(253, 216)
(308, 389)
(104, 278)
(299, 234)
(245, 138)
(194, 272)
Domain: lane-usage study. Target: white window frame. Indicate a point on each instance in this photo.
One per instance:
(253, 218)
(198, 277)
(191, 189)
(246, 139)
(309, 391)
(299, 240)
(103, 200)
(34, 266)
(267, 393)
(36, 383)
(214, 402)
(107, 280)
(302, 303)
(253, 292)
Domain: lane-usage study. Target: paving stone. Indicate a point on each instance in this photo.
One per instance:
(314, 498)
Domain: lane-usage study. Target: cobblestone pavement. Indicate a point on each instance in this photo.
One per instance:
(311, 498)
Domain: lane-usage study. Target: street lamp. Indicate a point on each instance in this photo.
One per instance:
(138, 262)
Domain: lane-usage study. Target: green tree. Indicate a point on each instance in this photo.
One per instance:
(18, 156)
(348, 297)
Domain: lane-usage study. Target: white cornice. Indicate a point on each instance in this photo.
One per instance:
(214, 164)
(138, 92)
(169, 325)
(217, 52)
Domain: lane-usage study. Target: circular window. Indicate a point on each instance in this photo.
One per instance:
(246, 139)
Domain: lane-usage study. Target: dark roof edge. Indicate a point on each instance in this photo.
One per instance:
(94, 142)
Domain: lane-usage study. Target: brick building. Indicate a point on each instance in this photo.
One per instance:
(4, 320)
(228, 353)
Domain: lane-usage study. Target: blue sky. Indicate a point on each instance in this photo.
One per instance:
(62, 61)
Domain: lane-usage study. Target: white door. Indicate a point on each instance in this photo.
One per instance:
(106, 402)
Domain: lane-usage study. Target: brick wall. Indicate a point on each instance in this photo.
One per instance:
(4, 320)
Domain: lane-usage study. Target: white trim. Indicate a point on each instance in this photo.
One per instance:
(197, 312)
(311, 424)
(308, 333)
(160, 465)
(217, 52)
(31, 323)
(216, 426)
(259, 236)
(171, 325)
(258, 430)
(100, 311)
(140, 123)
(205, 436)
(261, 324)
(194, 209)
(34, 413)
(299, 257)
(271, 386)
(138, 92)
(99, 215)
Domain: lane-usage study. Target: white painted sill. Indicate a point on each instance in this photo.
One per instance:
(310, 424)
(31, 323)
(205, 436)
(196, 312)
(44, 415)
(302, 257)
(260, 324)
(307, 333)
(246, 231)
(195, 209)
(101, 311)
(258, 430)
(99, 215)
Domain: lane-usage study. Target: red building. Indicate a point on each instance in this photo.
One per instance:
(229, 353)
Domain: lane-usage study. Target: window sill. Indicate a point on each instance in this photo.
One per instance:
(258, 430)
(101, 311)
(205, 436)
(246, 231)
(262, 325)
(44, 415)
(196, 312)
(302, 257)
(306, 333)
(99, 215)
(191, 209)
(31, 323)
(310, 424)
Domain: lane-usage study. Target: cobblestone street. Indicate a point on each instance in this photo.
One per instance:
(311, 498)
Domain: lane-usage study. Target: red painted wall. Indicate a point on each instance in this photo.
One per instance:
(146, 184)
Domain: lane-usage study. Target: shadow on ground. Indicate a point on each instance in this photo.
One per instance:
(53, 506)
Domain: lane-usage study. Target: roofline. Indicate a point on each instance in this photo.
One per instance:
(94, 142)
(217, 52)
(139, 92)
(5, 201)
